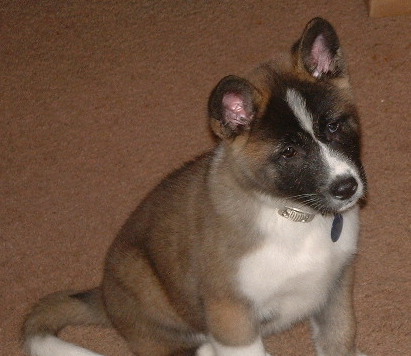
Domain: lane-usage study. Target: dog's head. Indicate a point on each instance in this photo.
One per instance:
(294, 134)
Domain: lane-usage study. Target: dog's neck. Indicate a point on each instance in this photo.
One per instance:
(297, 215)
(288, 209)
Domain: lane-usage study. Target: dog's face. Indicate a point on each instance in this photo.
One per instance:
(294, 135)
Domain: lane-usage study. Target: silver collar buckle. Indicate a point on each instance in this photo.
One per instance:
(296, 215)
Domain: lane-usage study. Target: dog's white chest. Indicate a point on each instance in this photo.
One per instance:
(289, 275)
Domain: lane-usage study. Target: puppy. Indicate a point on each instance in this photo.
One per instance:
(245, 240)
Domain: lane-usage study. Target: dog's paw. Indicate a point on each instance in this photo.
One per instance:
(360, 354)
(205, 350)
(208, 350)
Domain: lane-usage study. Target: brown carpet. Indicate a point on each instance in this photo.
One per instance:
(99, 99)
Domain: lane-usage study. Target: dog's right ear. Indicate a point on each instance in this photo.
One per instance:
(318, 52)
(232, 107)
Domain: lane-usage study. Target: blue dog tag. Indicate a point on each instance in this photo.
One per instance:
(337, 227)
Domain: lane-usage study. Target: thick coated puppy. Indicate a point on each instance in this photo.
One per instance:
(247, 239)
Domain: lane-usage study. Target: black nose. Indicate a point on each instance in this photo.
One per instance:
(344, 188)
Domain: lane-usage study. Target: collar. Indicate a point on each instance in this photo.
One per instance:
(298, 215)
(295, 214)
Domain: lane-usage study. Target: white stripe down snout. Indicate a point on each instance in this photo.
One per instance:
(339, 166)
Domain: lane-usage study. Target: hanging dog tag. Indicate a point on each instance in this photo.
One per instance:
(337, 227)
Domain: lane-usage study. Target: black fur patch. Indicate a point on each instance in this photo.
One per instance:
(305, 174)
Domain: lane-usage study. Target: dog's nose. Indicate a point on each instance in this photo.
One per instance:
(344, 188)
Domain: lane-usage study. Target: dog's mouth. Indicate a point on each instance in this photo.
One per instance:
(340, 207)
(335, 199)
(325, 207)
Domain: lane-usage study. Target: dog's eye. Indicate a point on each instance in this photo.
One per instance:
(334, 126)
(289, 152)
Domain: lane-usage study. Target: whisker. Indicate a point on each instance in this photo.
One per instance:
(312, 200)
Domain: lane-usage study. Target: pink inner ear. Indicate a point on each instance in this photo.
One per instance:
(234, 109)
(321, 56)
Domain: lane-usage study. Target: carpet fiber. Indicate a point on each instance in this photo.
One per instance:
(100, 99)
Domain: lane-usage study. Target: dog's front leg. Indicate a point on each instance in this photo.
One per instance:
(233, 330)
(334, 326)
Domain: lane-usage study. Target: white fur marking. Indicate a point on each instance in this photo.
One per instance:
(289, 276)
(299, 108)
(337, 165)
(53, 346)
(205, 350)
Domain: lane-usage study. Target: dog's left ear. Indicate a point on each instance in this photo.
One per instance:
(318, 53)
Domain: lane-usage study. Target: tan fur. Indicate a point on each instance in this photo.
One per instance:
(328, 341)
(222, 312)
